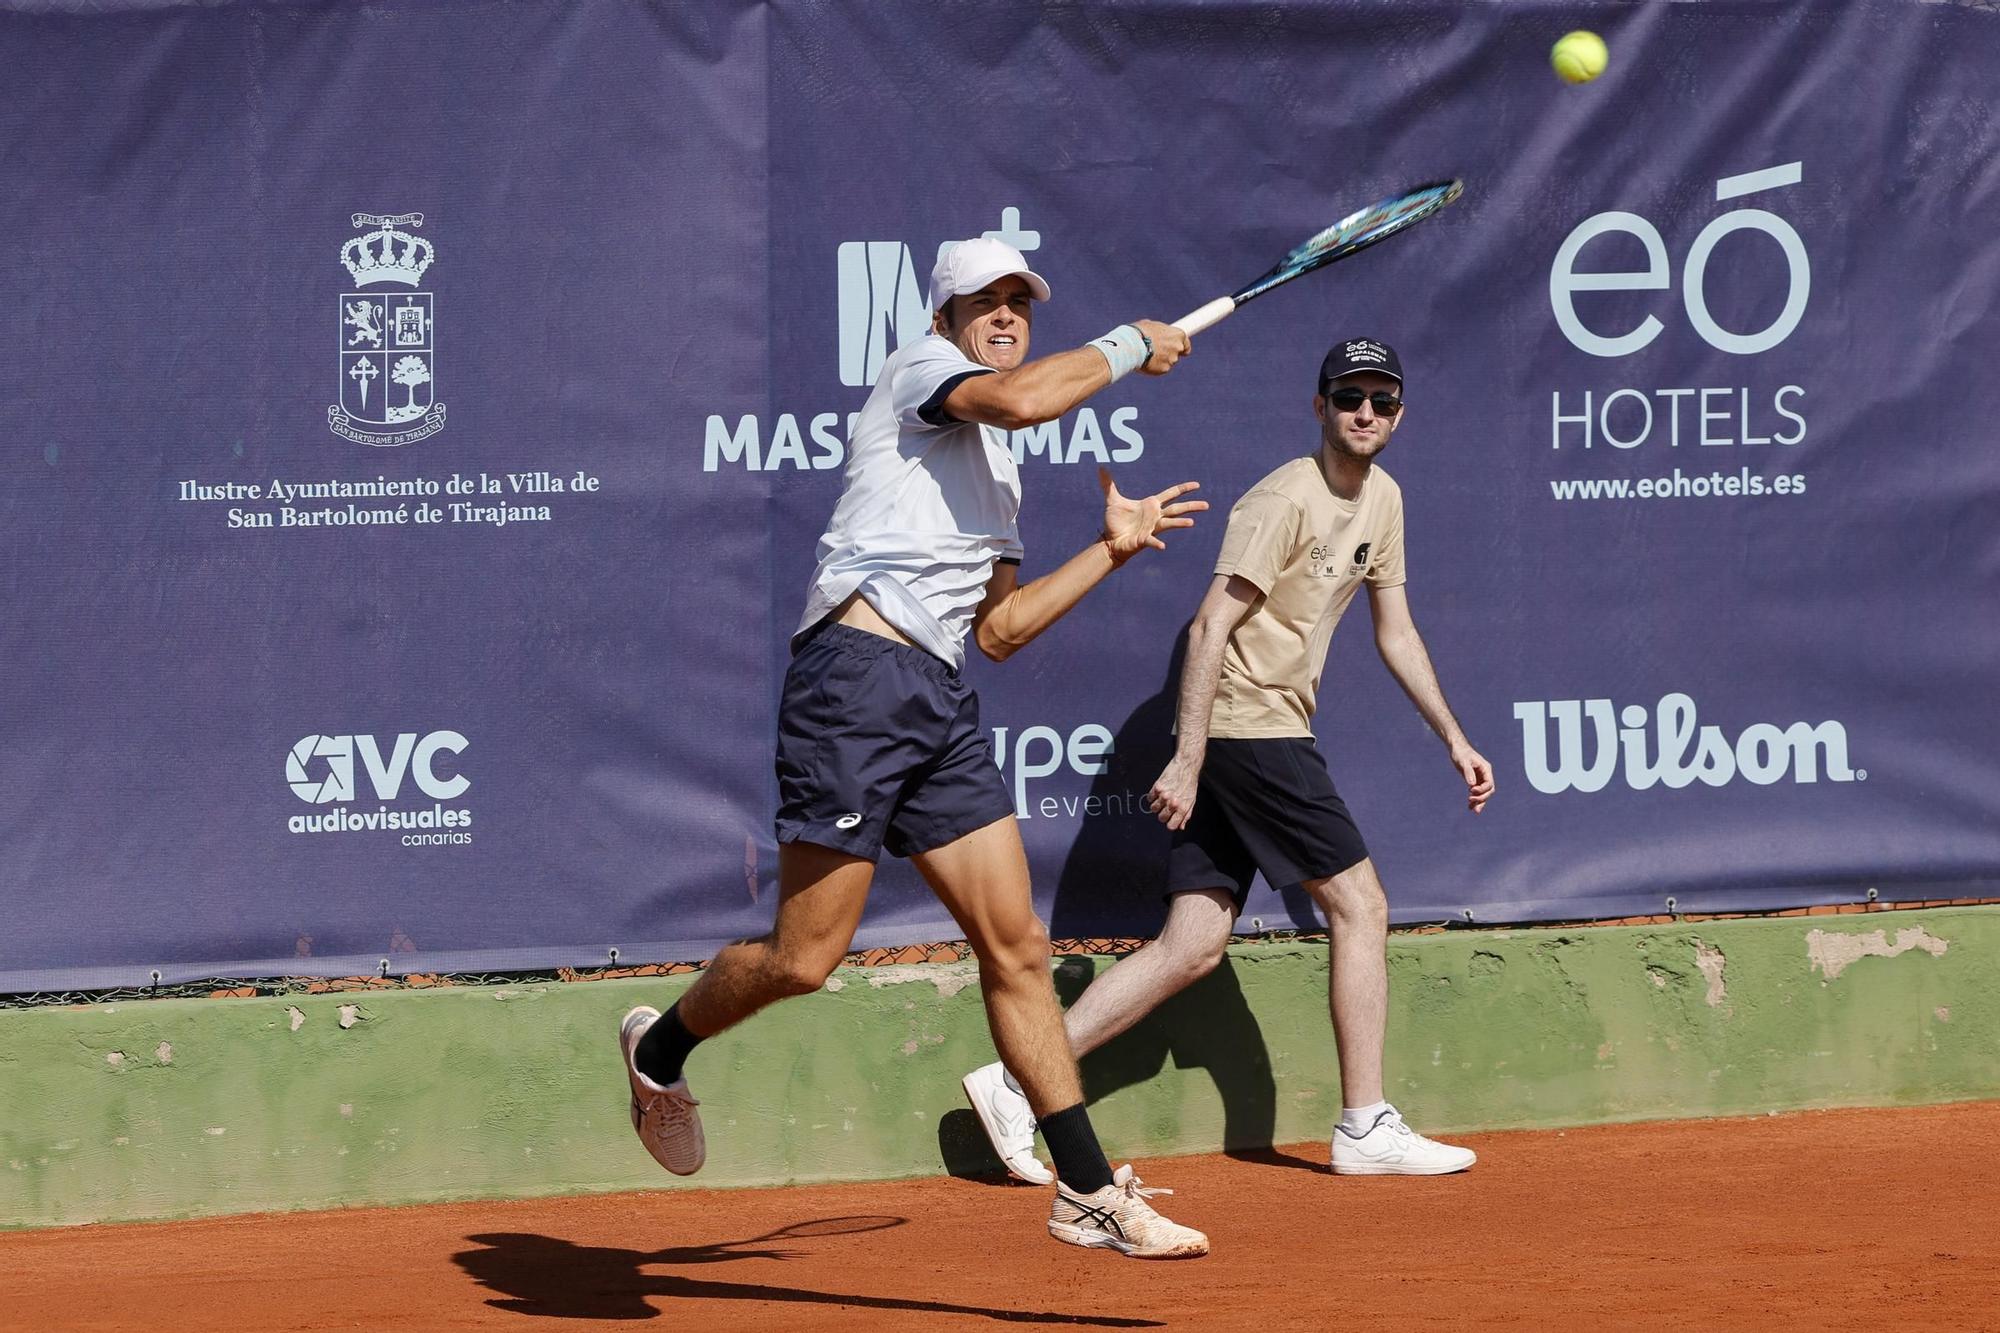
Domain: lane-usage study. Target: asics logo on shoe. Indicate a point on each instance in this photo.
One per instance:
(847, 821)
(1104, 1219)
(1118, 1217)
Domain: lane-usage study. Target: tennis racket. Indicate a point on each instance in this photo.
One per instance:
(1355, 232)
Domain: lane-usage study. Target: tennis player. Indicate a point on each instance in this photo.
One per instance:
(1247, 791)
(879, 742)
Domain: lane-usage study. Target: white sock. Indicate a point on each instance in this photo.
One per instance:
(1356, 1121)
(1008, 1078)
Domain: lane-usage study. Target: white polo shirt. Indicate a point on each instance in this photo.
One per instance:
(929, 505)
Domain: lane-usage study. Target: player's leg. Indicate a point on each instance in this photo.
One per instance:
(850, 734)
(1283, 806)
(1357, 918)
(982, 879)
(843, 755)
(821, 893)
(1371, 1138)
(957, 826)
(1209, 872)
(1189, 946)
(820, 897)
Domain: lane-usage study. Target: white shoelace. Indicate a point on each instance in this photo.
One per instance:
(1134, 1188)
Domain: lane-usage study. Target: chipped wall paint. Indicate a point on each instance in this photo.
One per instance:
(1833, 952)
(948, 978)
(1711, 961)
(178, 1108)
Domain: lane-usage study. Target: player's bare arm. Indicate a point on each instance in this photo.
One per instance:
(1228, 600)
(1013, 613)
(1037, 391)
(1403, 652)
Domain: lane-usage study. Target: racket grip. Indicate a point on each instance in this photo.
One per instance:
(1207, 316)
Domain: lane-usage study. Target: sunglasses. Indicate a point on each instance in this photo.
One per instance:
(1350, 400)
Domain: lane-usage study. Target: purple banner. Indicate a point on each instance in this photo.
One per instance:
(418, 420)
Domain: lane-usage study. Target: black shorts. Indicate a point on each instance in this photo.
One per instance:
(1263, 804)
(879, 747)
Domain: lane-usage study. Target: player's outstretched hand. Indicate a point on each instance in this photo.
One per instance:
(1169, 345)
(1172, 798)
(1130, 526)
(1478, 775)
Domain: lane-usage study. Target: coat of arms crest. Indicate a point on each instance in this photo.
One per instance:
(388, 337)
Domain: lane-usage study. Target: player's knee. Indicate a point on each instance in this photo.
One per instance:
(1191, 966)
(1359, 902)
(804, 973)
(1195, 937)
(1197, 952)
(1023, 950)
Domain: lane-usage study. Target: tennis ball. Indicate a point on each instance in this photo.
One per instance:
(1579, 57)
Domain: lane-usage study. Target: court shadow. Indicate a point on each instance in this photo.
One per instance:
(1209, 1027)
(550, 1278)
(966, 1151)
(1109, 885)
(1110, 882)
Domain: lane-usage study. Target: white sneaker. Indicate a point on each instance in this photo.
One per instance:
(1008, 1121)
(1392, 1148)
(1118, 1217)
(664, 1117)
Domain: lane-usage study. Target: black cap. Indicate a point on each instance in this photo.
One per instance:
(1358, 354)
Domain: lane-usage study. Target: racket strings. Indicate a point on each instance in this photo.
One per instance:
(1357, 231)
(1374, 222)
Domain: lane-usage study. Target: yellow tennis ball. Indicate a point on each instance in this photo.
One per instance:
(1579, 57)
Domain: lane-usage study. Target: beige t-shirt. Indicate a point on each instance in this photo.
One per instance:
(1307, 550)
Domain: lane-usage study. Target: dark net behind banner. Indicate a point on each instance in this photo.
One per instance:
(418, 419)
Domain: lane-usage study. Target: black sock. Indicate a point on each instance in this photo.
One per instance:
(1080, 1163)
(664, 1048)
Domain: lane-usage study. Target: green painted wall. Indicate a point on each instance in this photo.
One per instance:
(178, 1108)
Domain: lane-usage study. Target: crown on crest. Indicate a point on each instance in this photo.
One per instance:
(386, 254)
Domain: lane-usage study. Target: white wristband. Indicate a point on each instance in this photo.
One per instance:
(1125, 348)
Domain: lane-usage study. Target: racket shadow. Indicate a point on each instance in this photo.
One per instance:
(551, 1278)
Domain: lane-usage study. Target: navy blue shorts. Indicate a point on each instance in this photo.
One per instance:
(879, 747)
(1263, 804)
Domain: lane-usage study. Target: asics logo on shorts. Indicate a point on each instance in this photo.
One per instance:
(847, 821)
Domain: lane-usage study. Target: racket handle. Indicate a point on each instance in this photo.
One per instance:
(1207, 316)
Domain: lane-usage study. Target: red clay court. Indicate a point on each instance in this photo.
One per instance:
(1829, 1220)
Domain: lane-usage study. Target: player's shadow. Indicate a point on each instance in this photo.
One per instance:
(551, 1278)
(1110, 886)
(1110, 883)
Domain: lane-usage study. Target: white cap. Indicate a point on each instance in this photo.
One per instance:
(973, 265)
